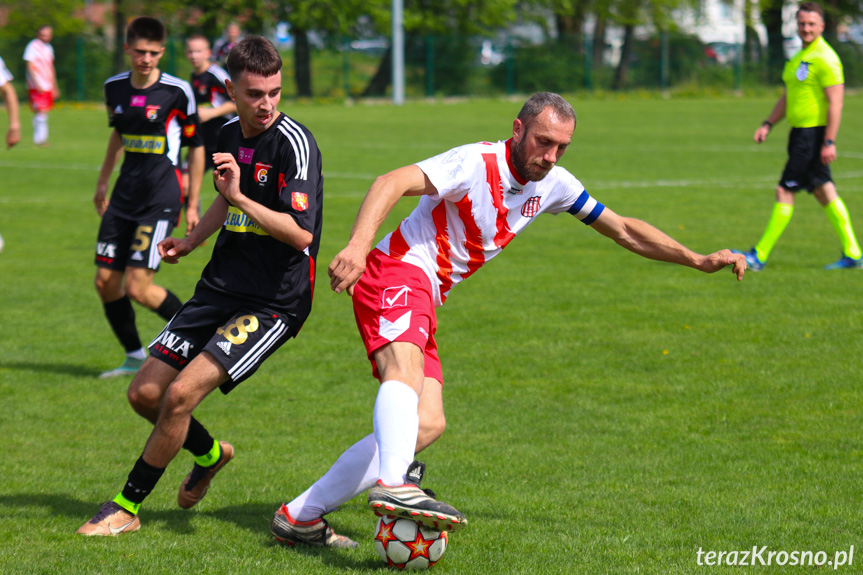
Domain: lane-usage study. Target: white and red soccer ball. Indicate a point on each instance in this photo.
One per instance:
(405, 544)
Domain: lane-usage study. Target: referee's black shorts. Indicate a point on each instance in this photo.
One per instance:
(239, 335)
(804, 170)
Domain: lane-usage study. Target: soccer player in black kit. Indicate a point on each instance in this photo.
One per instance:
(215, 107)
(152, 115)
(253, 295)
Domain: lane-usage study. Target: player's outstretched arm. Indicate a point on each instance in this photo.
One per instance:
(112, 156)
(349, 264)
(645, 240)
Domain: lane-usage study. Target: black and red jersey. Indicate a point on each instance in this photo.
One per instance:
(209, 88)
(153, 123)
(280, 169)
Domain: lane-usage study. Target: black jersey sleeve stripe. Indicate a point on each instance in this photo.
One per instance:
(120, 76)
(300, 144)
(191, 106)
(300, 152)
(302, 135)
(219, 73)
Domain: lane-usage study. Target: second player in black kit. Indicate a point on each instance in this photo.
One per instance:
(253, 295)
(153, 124)
(151, 115)
(210, 90)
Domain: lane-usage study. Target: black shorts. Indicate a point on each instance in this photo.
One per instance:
(239, 335)
(126, 243)
(804, 170)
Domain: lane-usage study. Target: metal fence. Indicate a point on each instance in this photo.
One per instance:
(442, 66)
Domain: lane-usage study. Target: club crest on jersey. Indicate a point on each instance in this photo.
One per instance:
(244, 155)
(395, 297)
(261, 171)
(802, 71)
(530, 207)
(138, 101)
(153, 113)
(299, 201)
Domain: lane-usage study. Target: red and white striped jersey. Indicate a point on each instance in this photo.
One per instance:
(481, 204)
(5, 74)
(41, 56)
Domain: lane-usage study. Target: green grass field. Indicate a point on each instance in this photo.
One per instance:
(606, 414)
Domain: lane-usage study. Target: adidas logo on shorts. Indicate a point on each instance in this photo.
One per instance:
(225, 346)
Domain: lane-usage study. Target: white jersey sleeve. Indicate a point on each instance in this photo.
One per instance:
(5, 74)
(452, 174)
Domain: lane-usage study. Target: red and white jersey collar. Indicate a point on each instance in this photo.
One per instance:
(515, 175)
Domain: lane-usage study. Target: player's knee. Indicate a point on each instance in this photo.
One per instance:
(102, 287)
(136, 293)
(144, 399)
(176, 403)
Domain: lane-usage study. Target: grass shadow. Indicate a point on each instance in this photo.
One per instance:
(56, 368)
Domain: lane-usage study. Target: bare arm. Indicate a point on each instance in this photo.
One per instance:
(349, 264)
(112, 156)
(13, 136)
(281, 226)
(196, 176)
(835, 99)
(645, 240)
(775, 116)
(207, 114)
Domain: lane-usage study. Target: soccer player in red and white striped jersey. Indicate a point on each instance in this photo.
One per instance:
(474, 200)
(41, 81)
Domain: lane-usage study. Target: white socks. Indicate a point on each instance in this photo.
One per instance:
(355, 472)
(385, 454)
(40, 128)
(396, 428)
(137, 354)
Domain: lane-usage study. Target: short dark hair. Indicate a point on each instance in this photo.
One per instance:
(253, 55)
(199, 37)
(145, 28)
(811, 7)
(534, 106)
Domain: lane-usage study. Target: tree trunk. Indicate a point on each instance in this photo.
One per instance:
(377, 86)
(302, 63)
(619, 81)
(119, 37)
(751, 40)
(570, 32)
(831, 21)
(771, 17)
(599, 42)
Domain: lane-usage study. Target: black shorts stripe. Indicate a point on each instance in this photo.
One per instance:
(259, 350)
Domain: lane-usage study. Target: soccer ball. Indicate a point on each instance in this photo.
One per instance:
(405, 544)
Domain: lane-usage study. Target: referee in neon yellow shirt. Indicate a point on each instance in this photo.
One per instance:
(812, 102)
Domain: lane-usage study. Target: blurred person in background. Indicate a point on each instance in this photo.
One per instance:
(41, 82)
